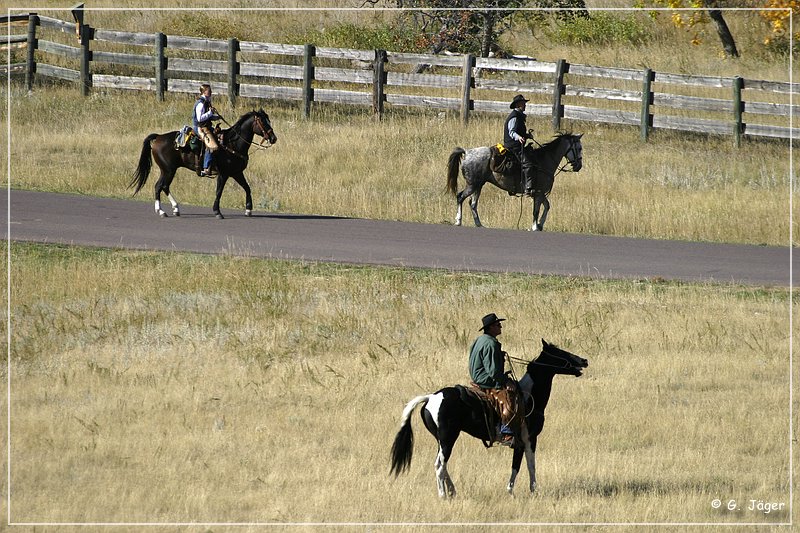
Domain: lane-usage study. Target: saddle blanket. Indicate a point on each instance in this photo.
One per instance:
(183, 137)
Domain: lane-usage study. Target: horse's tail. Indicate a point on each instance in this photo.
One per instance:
(145, 164)
(403, 446)
(452, 169)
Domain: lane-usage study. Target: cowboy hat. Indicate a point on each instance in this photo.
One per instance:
(517, 99)
(490, 319)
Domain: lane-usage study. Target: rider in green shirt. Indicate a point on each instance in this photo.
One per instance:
(486, 357)
(486, 368)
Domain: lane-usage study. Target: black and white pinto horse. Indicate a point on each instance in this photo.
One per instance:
(477, 172)
(446, 413)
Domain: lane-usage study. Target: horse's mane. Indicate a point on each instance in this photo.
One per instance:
(556, 138)
(238, 123)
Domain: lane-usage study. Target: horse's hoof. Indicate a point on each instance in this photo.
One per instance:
(162, 214)
(176, 213)
(248, 212)
(219, 216)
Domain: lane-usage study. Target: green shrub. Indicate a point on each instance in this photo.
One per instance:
(600, 29)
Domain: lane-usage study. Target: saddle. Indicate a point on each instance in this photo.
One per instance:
(187, 141)
(503, 161)
(497, 405)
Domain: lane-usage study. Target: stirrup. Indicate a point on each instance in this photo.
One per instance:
(506, 440)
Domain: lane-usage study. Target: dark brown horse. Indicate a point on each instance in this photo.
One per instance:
(230, 160)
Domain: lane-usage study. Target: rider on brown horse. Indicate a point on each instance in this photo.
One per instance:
(486, 368)
(204, 112)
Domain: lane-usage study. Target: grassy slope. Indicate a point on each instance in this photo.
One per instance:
(245, 390)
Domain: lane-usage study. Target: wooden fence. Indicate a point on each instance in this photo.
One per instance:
(93, 58)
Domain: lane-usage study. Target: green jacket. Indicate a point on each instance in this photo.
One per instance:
(486, 362)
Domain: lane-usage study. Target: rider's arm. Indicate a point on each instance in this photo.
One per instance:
(512, 124)
(202, 117)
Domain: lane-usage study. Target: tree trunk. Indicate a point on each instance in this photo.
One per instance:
(488, 33)
(728, 44)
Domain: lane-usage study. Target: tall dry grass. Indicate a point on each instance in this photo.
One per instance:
(180, 388)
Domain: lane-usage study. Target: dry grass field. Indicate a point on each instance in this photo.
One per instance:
(199, 392)
(177, 388)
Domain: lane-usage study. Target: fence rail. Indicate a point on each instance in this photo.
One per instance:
(91, 58)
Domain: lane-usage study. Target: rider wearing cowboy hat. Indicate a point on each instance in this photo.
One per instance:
(515, 133)
(486, 368)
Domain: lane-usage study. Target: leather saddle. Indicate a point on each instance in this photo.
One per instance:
(503, 161)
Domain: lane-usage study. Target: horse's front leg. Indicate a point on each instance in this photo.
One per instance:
(530, 459)
(516, 462)
(539, 201)
(248, 198)
(546, 205)
(528, 448)
(221, 180)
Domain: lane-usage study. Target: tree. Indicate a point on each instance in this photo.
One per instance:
(777, 14)
(725, 36)
(468, 26)
(706, 9)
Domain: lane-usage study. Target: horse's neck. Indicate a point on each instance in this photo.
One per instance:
(555, 154)
(241, 136)
(542, 386)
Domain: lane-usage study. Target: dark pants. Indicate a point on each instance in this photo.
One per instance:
(525, 157)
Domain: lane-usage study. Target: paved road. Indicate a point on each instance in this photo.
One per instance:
(72, 219)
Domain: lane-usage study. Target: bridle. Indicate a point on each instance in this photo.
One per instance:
(264, 133)
(576, 157)
(567, 363)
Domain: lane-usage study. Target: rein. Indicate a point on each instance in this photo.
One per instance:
(526, 362)
(259, 146)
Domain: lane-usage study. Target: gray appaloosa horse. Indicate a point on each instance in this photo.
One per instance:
(477, 173)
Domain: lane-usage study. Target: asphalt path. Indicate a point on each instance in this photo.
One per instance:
(111, 223)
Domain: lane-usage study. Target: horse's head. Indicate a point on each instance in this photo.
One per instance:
(575, 151)
(558, 361)
(263, 127)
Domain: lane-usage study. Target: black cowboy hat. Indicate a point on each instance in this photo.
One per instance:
(517, 99)
(490, 319)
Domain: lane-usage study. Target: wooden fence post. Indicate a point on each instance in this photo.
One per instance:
(562, 67)
(308, 78)
(647, 100)
(378, 83)
(30, 63)
(86, 36)
(466, 87)
(233, 70)
(738, 108)
(161, 66)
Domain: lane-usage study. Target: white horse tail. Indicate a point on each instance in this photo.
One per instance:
(403, 446)
(452, 169)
